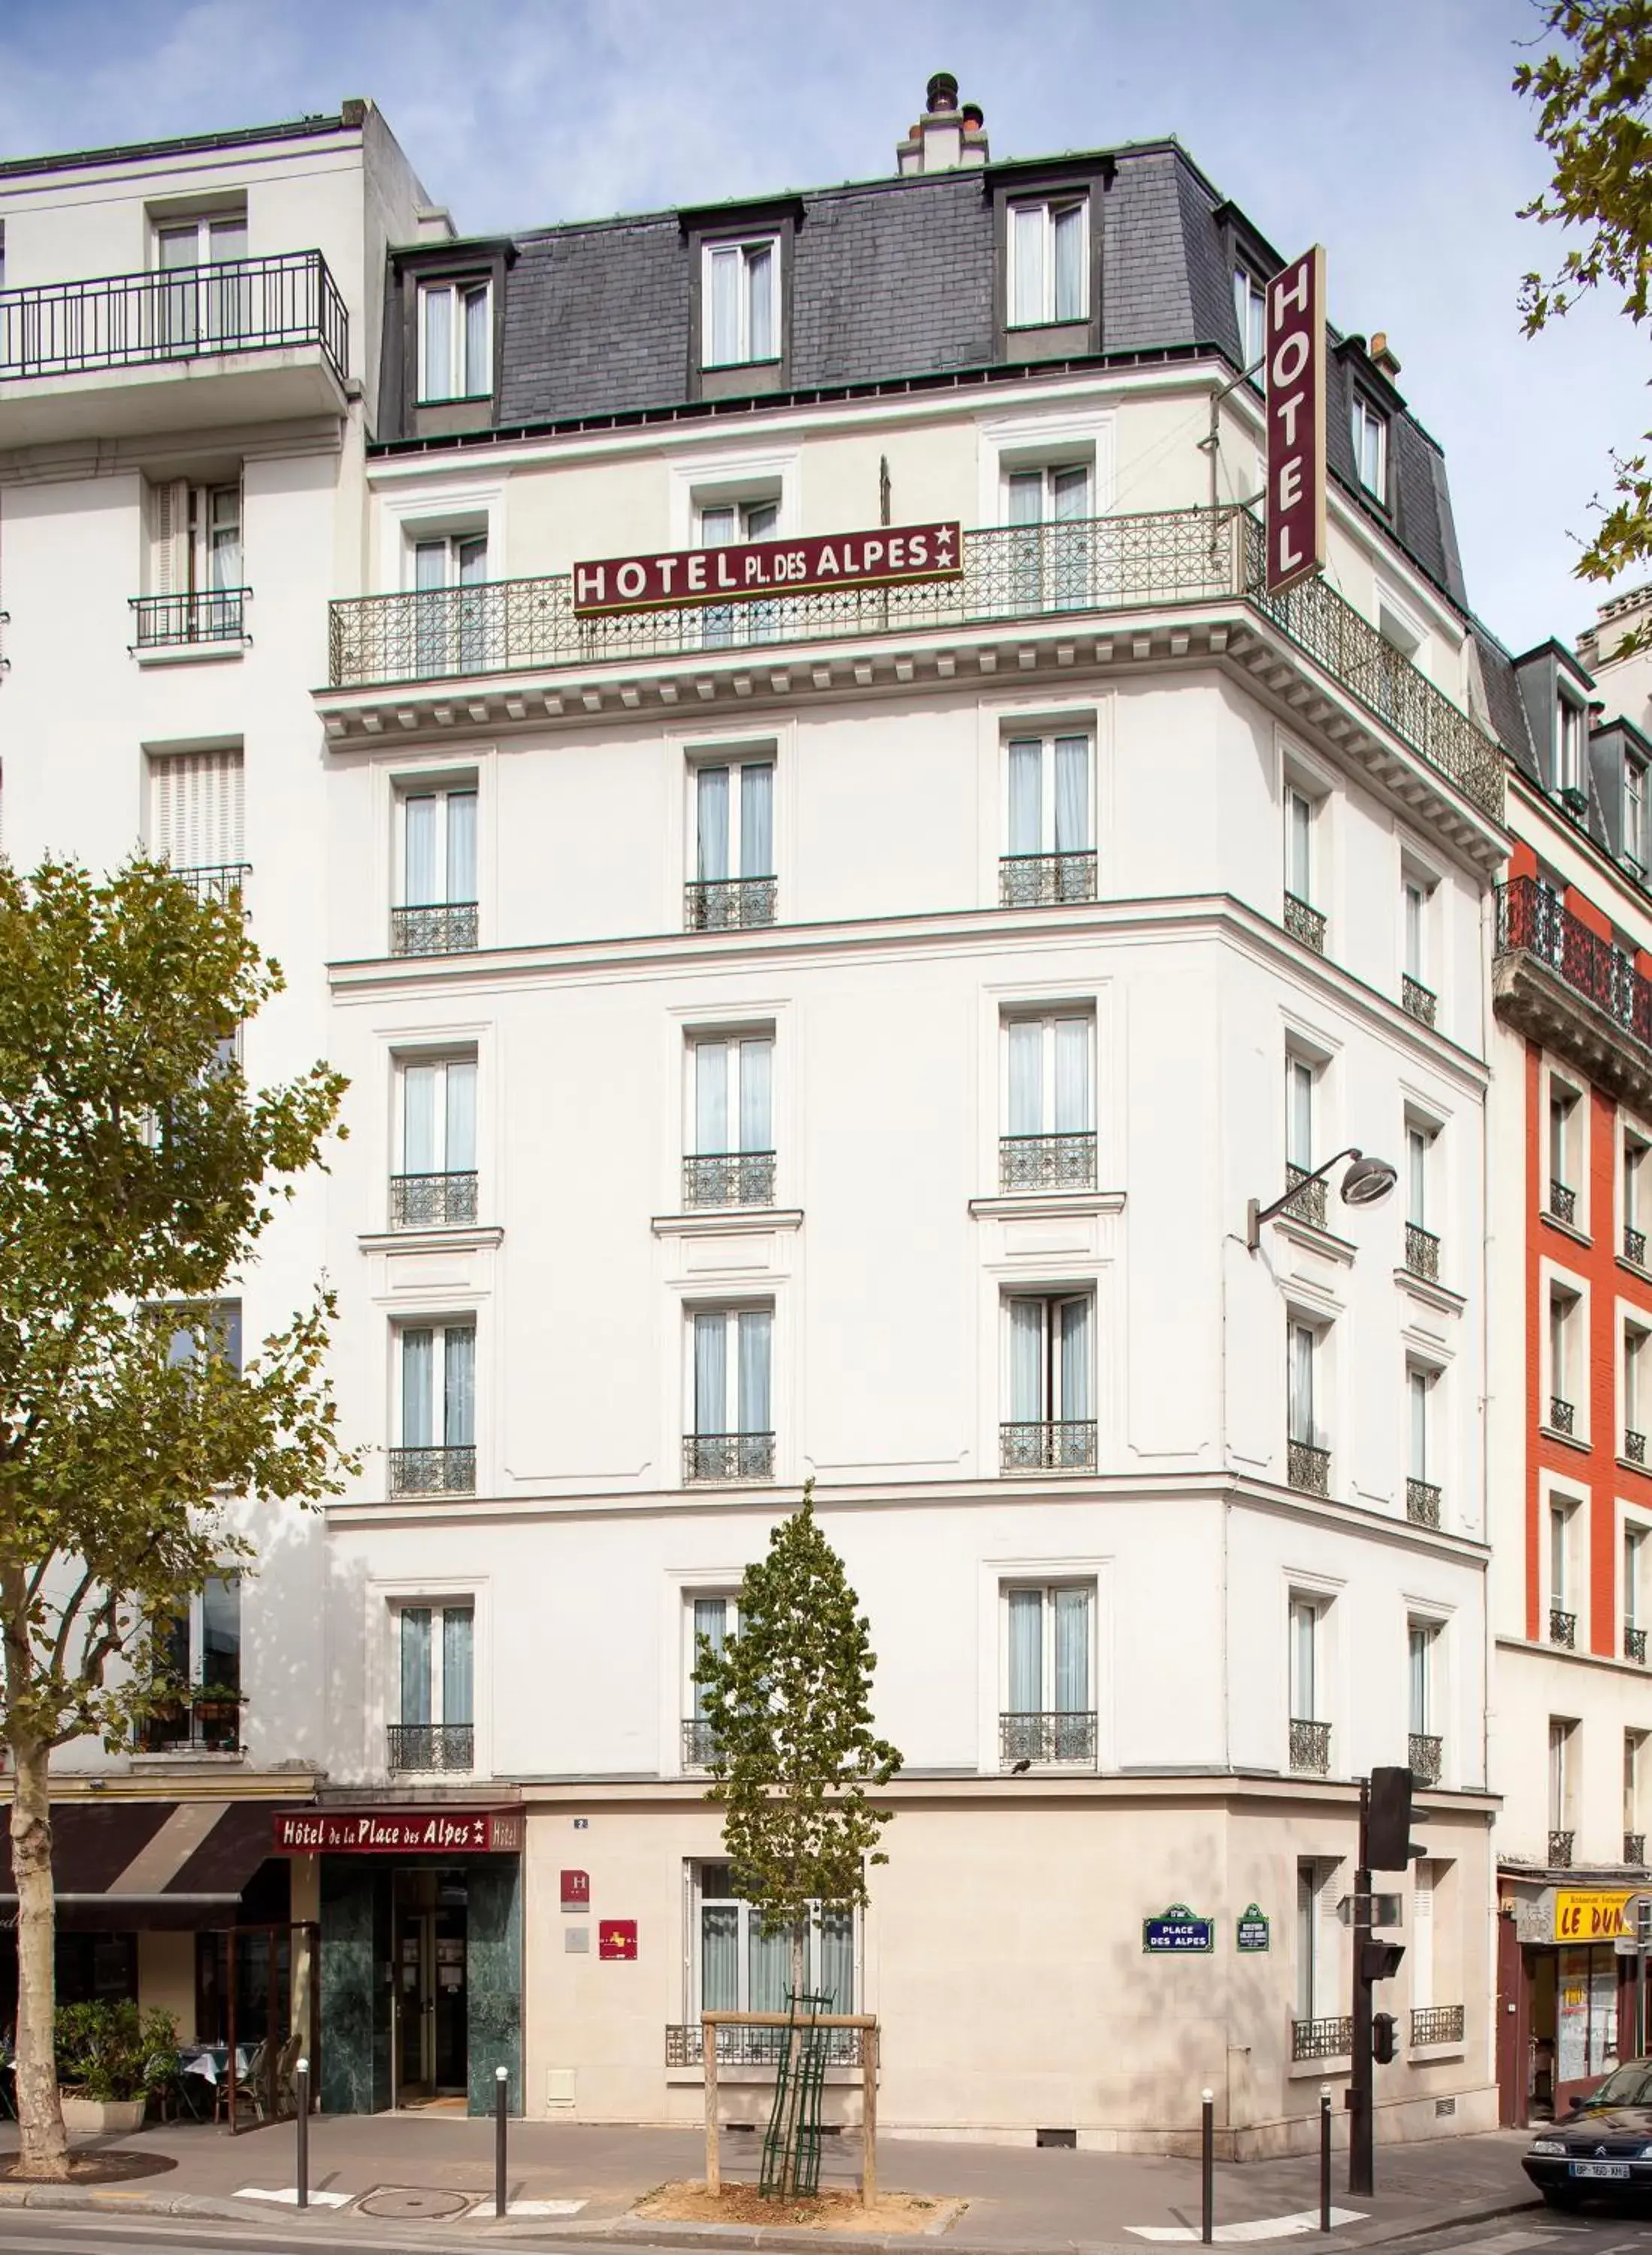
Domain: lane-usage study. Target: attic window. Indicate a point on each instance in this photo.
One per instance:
(1634, 814)
(1370, 434)
(1569, 749)
(742, 300)
(1250, 310)
(455, 340)
(1049, 261)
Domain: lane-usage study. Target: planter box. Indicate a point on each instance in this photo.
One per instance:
(89, 2118)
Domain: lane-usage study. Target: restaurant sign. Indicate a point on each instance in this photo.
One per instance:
(398, 1832)
(1178, 1931)
(754, 569)
(1592, 1914)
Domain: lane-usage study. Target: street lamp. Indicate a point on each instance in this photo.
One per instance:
(1367, 1180)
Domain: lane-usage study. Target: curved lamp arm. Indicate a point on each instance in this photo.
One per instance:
(1255, 1215)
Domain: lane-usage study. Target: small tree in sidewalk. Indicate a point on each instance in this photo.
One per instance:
(789, 1702)
(138, 1173)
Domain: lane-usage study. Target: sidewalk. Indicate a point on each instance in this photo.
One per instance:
(431, 2174)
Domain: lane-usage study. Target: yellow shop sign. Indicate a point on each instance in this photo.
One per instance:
(1588, 1914)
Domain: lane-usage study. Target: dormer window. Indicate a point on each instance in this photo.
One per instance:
(1370, 434)
(742, 283)
(455, 340)
(1634, 814)
(1250, 310)
(1569, 751)
(1049, 261)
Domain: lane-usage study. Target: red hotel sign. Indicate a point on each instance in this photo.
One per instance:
(892, 556)
(1296, 513)
(398, 1832)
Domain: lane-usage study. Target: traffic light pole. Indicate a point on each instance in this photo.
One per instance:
(1360, 2092)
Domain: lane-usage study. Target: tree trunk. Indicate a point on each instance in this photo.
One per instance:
(794, 2069)
(45, 2153)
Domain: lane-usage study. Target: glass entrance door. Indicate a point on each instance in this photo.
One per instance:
(429, 2040)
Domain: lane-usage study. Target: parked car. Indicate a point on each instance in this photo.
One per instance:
(1603, 2145)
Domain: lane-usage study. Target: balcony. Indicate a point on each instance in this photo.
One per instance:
(1417, 1000)
(1635, 1246)
(731, 1178)
(1634, 1644)
(1422, 1503)
(741, 2047)
(1563, 1203)
(1633, 1446)
(1563, 1416)
(1422, 1253)
(1562, 984)
(1307, 1469)
(1065, 574)
(1563, 1628)
(252, 338)
(221, 882)
(204, 1724)
(718, 1457)
(729, 903)
(1308, 1203)
(440, 928)
(189, 621)
(1046, 1163)
(443, 1201)
(1327, 2039)
(1304, 924)
(700, 1743)
(1423, 1756)
(1436, 2024)
(1310, 1748)
(1062, 1445)
(1634, 1849)
(433, 1471)
(1046, 1741)
(1560, 1851)
(1045, 881)
(429, 1745)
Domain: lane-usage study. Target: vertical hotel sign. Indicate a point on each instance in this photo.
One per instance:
(1296, 512)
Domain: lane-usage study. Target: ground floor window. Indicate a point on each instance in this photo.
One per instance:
(1586, 2013)
(739, 1969)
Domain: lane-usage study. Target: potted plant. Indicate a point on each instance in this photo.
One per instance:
(110, 2058)
(218, 1718)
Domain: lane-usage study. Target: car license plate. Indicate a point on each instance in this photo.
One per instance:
(1616, 2170)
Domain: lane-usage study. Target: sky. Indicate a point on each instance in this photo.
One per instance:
(1389, 133)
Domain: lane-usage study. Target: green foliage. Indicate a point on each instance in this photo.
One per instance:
(108, 2050)
(140, 1171)
(789, 1702)
(1594, 100)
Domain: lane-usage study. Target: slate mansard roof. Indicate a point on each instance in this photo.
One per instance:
(890, 282)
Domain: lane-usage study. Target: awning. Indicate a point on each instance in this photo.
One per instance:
(121, 1864)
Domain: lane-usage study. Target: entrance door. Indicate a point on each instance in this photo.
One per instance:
(429, 2040)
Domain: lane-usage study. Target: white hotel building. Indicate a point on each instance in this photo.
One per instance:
(831, 1038)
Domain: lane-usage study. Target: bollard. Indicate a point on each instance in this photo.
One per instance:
(1325, 2157)
(1207, 2165)
(502, 2094)
(301, 2096)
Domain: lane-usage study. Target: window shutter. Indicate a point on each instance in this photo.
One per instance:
(169, 537)
(197, 810)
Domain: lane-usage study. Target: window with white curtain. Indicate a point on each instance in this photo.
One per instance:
(1414, 903)
(450, 571)
(1050, 1426)
(1048, 1710)
(1561, 1730)
(733, 832)
(740, 312)
(735, 1967)
(733, 524)
(1300, 1089)
(1370, 435)
(204, 302)
(1634, 1538)
(1314, 1989)
(1306, 1614)
(732, 1155)
(1049, 261)
(1299, 845)
(435, 1182)
(1420, 1954)
(1048, 797)
(1250, 312)
(1050, 546)
(438, 1386)
(1302, 1349)
(1634, 1393)
(436, 857)
(1419, 1391)
(1418, 1144)
(455, 340)
(197, 810)
(1635, 813)
(1421, 1643)
(714, 1615)
(1049, 1134)
(732, 1436)
(1569, 730)
(437, 1663)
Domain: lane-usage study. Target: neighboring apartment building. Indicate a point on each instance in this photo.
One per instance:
(840, 1035)
(1570, 1287)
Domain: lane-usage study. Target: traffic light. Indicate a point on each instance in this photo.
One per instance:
(1383, 2038)
(1389, 1827)
(1380, 1961)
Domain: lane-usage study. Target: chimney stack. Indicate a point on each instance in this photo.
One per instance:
(1382, 357)
(946, 136)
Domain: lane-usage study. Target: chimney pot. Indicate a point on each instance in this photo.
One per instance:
(941, 93)
(974, 116)
(1380, 354)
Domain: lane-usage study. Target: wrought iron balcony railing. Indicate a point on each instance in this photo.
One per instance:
(1422, 1253)
(441, 1201)
(1010, 571)
(728, 1457)
(220, 881)
(1634, 1445)
(1560, 1851)
(1563, 1415)
(201, 1725)
(741, 2047)
(1307, 1469)
(430, 1746)
(1422, 1757)
(437, 928)
(1437, 2024)
(1562, 1627)
(1047, 1741)
(1635, 1643)
(1064, 1446)
(1634, 1849)
(1532, 920)
(1562, 1203)
(1422, 1503)
(1042, 880)
(1304, 924)
(1308, 1201)
(728, 1178)
(1417, 1000)
(1309, 1747)
(177, 621)
(1327, 2039)
(700, 1743)
(1046, 1163)
(1635, 1246)
(729, 903)
(188, 312)
(433, 1471)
